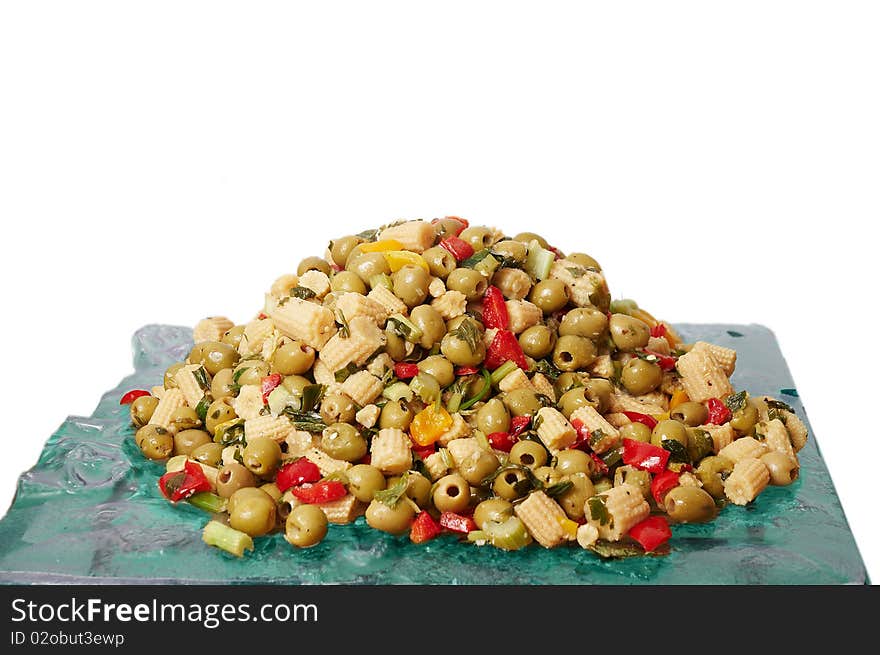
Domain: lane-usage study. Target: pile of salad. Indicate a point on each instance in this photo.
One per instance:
(444, 380)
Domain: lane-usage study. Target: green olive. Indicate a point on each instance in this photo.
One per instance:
(141, 410)
(467, 281)
(253, 512)
(572, 353)
(635, 431)
(295, 384)
(635, 477)
(459, 351)
(168, 381)
(272, 489)
(712, 471)
(583, 259)
(439, 367)
(209, 453)
(700, 444)
(233, 335)
(218, 412)
(222, 385)
(313, 264)
(305, 526)
(515, 250)
(250, 371)
(492, 510)
(687, 504)
(183, 418)
(395, 414)
(600, 391)
(586, 322)
(154, 441)
(364, 481)
(430, 322)
(493, 417)
(395, 345)
(640, 376)
(448, 225)
(511, 484)
(338, 408)
(528, 453)
(215, 356)
(411, 285)
(549, 295)
(440, 261)
(418, 488)
(522, 402)
(343, 441)
(478, 466)
(571, 461)
(186, 441)
(341, 248)
(367, 265)
(602, 484)
(513, 283)
(627, 332)
(669, 429)
(347, 281)
(232, 477)
(567, 381)
(547, 475)
(783, 467)
(394, 520)
(293, 358)
(452, 493)
(745, 419)
(478, 237)
(690, 413)
(574, 399)
(262, 456)
(528, 237)
(573, 500)
(537, 341)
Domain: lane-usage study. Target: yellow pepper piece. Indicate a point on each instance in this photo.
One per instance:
(381, 246)
(397, 259)
(429, 425)
(661, 417)
(678, 397)
(568, 526)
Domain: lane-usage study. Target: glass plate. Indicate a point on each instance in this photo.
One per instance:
(90, 512)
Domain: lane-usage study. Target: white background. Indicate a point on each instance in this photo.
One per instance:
(165, 161)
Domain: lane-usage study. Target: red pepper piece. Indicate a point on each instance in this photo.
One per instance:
(583, 436)
(320, 492)
(261, 316)
(658, 331)
(180, 485)
(424, 528)
(132, 395)
(502, 441)
(461, 371)
(666, 362)
(459, 248)
(457, 522)
(504, 347)
(645, 456)
(296, 473)
(268, 384)
(719, 414)
(406, 370)
(636, 417)
(651, 532)
(463, 222)
(601, 466)
(494, 309)
(662, 483)
(423, 452)
(519, 424)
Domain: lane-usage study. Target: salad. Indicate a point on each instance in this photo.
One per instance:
(443, 380)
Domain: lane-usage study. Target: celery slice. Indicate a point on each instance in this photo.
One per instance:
(226, 538)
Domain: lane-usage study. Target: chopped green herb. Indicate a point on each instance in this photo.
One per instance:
(596, 437)
(598, 510)
(303, 293)
(737, 401)
(475, 259)
(778, 404)
(556, 490)
(678, 451)
(345, 330)
(311, 396)
(392, 495)
(202, 407)
(201, 376)
(623, 549)
(467, 331)
(344, 373)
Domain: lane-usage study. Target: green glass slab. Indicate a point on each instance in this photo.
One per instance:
(90, 512)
